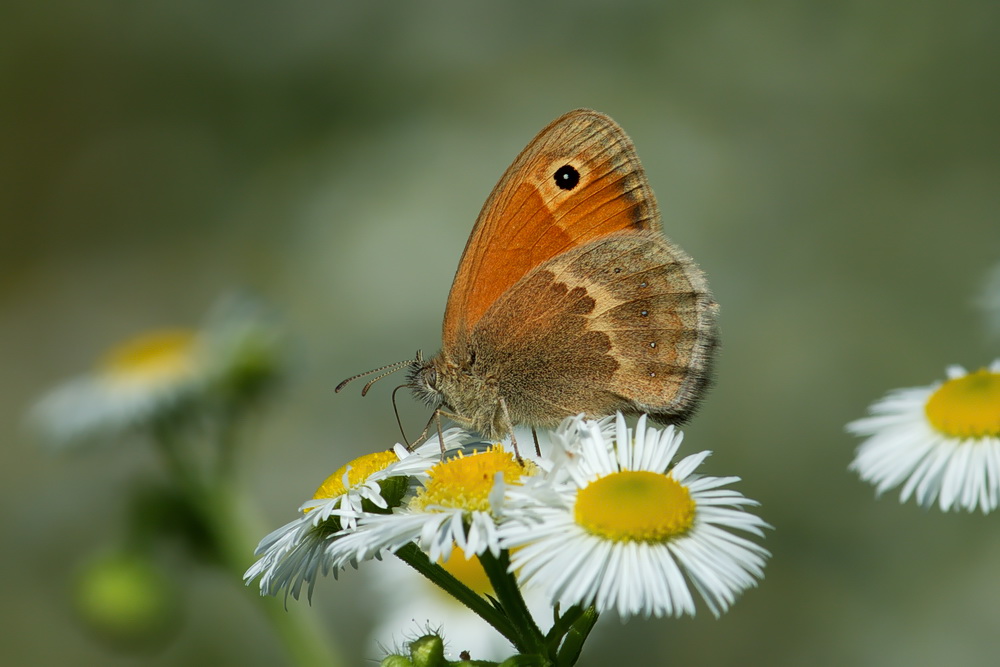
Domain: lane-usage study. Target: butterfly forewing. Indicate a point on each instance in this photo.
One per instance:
(579, 180)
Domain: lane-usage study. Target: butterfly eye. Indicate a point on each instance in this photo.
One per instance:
(566, 177)
(431, 377)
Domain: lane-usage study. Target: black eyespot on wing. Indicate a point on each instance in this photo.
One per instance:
(566, 177)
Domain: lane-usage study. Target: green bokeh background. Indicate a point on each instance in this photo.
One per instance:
(833, 166)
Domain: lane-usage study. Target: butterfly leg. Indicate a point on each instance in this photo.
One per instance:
(534, 435)
(437, 421)
(423, 434)
(510, 427)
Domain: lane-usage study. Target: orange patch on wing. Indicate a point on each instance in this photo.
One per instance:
(518, 247)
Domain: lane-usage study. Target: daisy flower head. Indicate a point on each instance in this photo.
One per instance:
(454, 506)
(296, 553)
(157, 376)
(623, 527)
(940, 442)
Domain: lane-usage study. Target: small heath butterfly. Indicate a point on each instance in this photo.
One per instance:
(568, 299)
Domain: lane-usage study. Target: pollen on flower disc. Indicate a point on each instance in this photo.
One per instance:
(636, 506)
(466, 481)
(361, 469)
(967, 406)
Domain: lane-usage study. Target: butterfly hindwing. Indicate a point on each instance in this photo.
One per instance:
(622, 323)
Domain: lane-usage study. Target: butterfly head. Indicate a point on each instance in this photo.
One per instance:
(424, 378)
(462, 389)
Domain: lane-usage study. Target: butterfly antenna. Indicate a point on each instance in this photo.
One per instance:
(364, 390)
(391, 368)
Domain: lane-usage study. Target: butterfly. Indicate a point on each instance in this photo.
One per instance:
(568, 298)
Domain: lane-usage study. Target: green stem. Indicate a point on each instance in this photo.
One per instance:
(225, 465)
(418, 560)
(572, 646)
(215, 501)
(299, 632)
(530, 639)
(562, 625)
(170, 448)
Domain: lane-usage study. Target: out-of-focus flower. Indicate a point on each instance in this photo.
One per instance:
(988, 300)
(164, 375)
(941, 442)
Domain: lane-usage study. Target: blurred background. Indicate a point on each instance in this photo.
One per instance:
(833, 166)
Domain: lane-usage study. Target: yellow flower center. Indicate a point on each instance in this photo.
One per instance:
(361, 469)
(635, 506)
(465, 482)
(967, 406)
(153, 357)
(470, 572)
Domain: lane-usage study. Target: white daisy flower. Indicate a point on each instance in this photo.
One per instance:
(295, 554)
(941, 442)
(621, 528)
(454, 507)
(160, 373)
